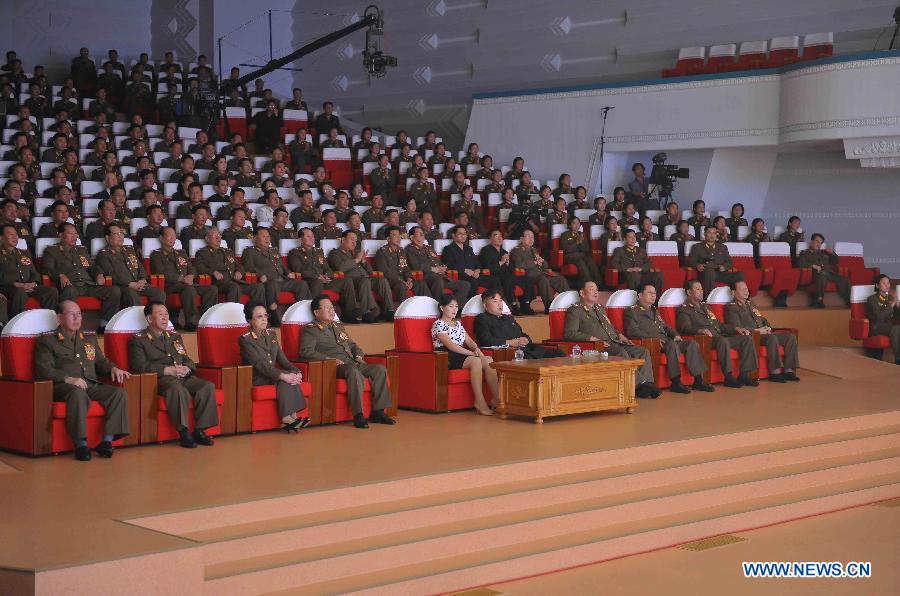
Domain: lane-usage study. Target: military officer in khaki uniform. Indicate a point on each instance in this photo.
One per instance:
(421, 257)
(696, 318)
(265, 261)
(72, 359)
(310, 262)
(126, 268)
(713, 263)
(158, 350)
(198, 228)
(279, 229)
(306, 211)
(424, 193)
(180, 277)
(525, 256)
(577, 251)
(350, 259)
(633, 264)
(741, 312)
(381, 180)
(69, 266)
(698, 219)
(792, 235)
(586, 320)
(260, 349)
(391, 261)
(328, 229)
(883, 311)
(325, 339)
(226, 270)
(642, 321)
(97, 228)
(823, 262)
(237, 230)
(19, 278)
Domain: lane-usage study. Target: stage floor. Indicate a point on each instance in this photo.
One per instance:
(60, 513)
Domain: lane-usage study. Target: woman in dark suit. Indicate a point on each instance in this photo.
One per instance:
(261, 350)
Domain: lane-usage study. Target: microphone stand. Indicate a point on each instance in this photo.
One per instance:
(605, 112)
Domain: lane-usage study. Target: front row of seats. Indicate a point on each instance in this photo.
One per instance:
(169, 396)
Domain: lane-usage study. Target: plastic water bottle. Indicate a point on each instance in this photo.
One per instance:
(519, 355)
(576, 351)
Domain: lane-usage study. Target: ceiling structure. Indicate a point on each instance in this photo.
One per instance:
(450, 49)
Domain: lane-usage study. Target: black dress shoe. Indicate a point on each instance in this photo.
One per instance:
(645, 390)
(781, 300)
(703, 386)
(82, 453)
(791, 376)
(105, 449)
(379, 417)
(679, 387)
(388, 316)
(525, 309)
(291, 426)
(776, 378)
(819, 303)
(304, 422)
(744, 380)
(371, 316)
(201, 438)
(731, 382)
(359, 421)
(190, 327)
(186, 441)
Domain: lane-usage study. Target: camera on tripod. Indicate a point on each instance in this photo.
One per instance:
(664, 175)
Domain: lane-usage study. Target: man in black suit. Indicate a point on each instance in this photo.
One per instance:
(496, 259)
(460, 257)
(493, 328)
(326, 120)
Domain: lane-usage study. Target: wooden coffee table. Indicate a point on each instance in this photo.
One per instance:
(559, 386)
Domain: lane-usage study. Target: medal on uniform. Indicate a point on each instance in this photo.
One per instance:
(89, 352)
(321, 259)
(133, 262)
(182, 262)
(229, 258)
(179, 347)
(84, 261)
(343, 336)
(26, 261)
(756, 312)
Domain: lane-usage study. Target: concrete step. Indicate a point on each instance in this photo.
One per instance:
(316, 508)
(484, 530)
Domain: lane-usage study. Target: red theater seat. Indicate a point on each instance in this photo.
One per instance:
(717, 301)
(340, 170)
(690, 62)
(663, 255)
(742, 259)
(218, 350)
(155, 424)
(558, 308)
(668, 310)
(30, 421)
(818, 45)
(332, 392)
(783, 51)
(850, 259)
(428, 384)
(779, 274)
(859, 324)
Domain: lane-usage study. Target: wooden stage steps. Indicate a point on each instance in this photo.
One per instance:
(454, 531)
